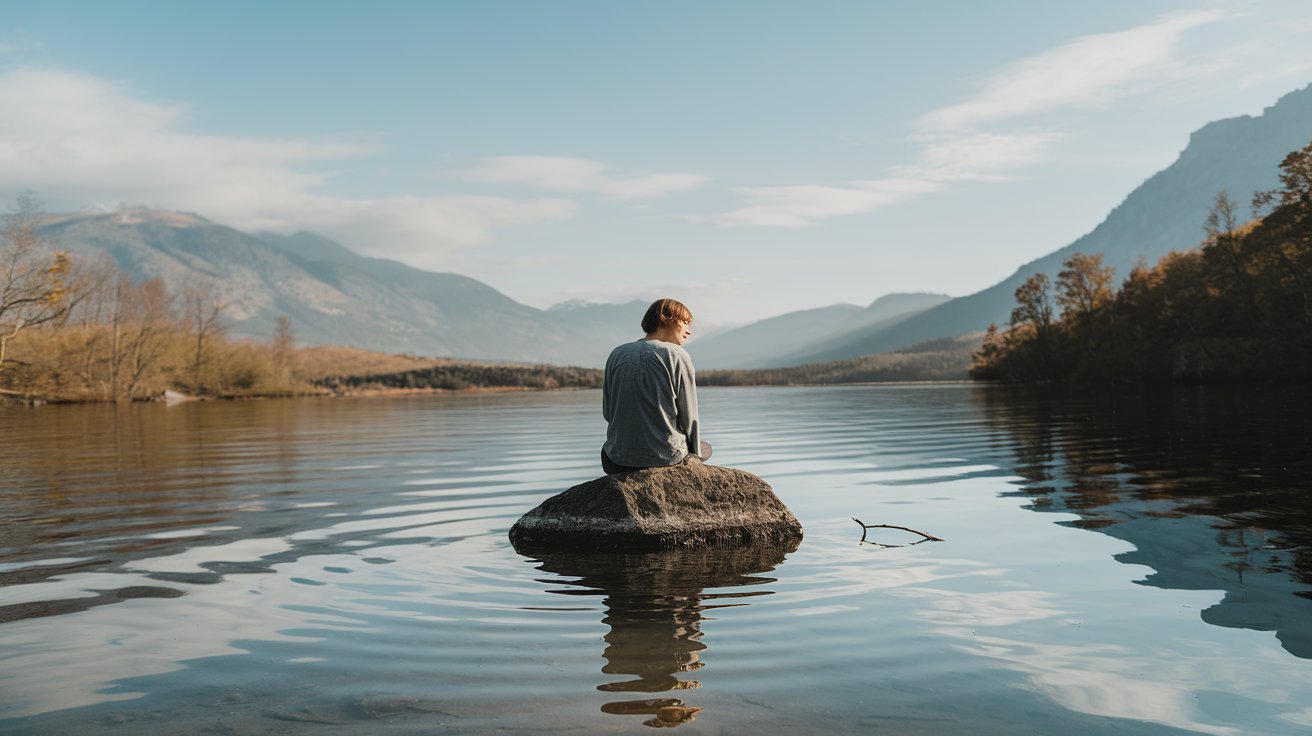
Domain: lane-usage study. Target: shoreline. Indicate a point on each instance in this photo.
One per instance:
(12, 398)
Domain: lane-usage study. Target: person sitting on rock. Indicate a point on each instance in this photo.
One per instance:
(649, 398)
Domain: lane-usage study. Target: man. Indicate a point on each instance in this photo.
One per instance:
(650, 396)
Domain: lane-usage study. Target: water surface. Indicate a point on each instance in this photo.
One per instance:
(1122, 564)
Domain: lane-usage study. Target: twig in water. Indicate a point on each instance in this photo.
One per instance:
(866, 527)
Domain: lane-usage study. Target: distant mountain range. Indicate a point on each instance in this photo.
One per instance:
(335, 296)
(773, 342)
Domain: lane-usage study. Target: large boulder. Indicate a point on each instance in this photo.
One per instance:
(681, 506)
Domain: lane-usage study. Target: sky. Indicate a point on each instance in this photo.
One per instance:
(748, 158)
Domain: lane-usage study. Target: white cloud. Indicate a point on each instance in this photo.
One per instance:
(1087, 71)
(562, 174)
(77, 138)
(14, 46)
(954, 144)
(943, 159)
(976, 156)
(799, 206)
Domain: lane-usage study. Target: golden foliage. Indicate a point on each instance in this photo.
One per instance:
(1236, 308)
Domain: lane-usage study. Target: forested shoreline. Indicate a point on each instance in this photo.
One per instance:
(1236, 308)
(467, 376)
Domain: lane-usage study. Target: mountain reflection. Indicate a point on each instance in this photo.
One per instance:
(1211, 485)
(655, 605)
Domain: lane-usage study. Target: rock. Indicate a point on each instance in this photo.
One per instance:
(673, 715)
(687, 505)
(172, 397)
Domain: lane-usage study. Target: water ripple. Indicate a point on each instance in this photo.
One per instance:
(281, 566)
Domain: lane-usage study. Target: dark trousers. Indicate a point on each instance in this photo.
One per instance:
(611, 467)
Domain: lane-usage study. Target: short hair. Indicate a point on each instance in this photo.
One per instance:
(664, 312)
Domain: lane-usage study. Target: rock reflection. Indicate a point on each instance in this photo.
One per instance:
(655, 604)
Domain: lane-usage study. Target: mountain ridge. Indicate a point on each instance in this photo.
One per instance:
(333, 295)
(767, 343)
(1166, 212)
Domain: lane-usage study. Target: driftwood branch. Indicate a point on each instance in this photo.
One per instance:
(867, 527)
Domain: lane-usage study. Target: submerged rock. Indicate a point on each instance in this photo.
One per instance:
(687, 505)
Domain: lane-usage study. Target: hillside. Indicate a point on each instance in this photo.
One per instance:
(334, 296)
(769, 342)
(1239, 155)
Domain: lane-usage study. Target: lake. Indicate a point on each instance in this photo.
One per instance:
(1130, 563)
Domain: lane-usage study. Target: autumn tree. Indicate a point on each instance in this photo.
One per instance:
(1034, 305)
(202, 313)
(33, 279)
(284, 342)
(1295, 183)
(1083, 286)
(1286, 240)
(140, 322)
(1237, 308)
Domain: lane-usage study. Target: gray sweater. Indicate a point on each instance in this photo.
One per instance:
(650, 402)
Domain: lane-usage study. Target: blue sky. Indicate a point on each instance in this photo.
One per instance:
(750, 158)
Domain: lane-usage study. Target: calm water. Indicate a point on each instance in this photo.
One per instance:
(1137, 565)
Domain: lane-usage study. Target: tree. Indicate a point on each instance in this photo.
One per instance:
(1222, 219)
(284, 341)
(1229, 269)
(1083, 286)
(33, 288)
(1295, 182)
(202, 313)
(982, 364)
(1034, 305)
(139, 325)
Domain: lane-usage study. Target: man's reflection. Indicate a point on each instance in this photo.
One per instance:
(654, 607)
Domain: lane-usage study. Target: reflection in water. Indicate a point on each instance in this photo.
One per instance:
(1209, 484)
(277, 567)
(655, 603)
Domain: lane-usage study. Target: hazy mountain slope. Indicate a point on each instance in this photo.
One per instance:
(769, 342)
(332, 295)
(455, 315)
(751, 345)
(599, 327)
(878, 318)
(311, 247)
(1165, 213)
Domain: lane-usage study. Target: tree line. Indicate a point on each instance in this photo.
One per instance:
(461, 376)
(84, 330)
(1238, 307)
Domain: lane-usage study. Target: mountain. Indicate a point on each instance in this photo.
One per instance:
(1239, 155)
(334, 296)
(752, 345)
(769, 342)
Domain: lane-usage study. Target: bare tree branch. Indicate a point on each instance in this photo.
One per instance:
(866, 527)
